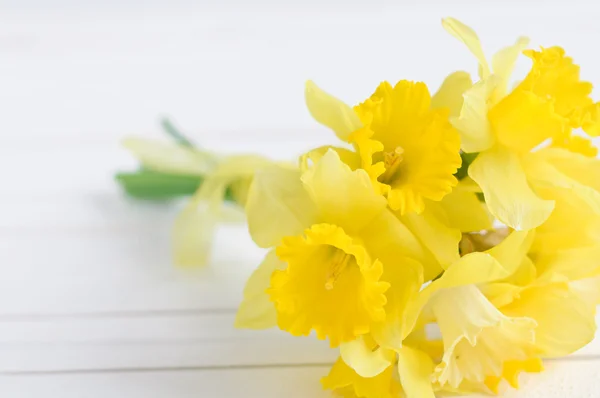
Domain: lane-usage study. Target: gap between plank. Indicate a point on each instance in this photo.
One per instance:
(117, 314)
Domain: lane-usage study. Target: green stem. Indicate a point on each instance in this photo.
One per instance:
(177, 135)
(153, 185)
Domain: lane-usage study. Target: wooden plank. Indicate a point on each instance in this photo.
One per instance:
(148, 341)
(561, 379)
(81, 272)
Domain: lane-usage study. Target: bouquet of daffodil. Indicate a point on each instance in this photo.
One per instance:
(452, 243)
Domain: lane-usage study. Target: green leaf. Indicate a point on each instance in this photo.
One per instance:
(154, 185)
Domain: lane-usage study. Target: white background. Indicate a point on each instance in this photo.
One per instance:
(90, 305)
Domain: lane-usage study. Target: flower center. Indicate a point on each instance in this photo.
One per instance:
(339, 262)
(392, 161)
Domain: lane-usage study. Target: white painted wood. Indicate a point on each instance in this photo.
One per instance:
(577, 379)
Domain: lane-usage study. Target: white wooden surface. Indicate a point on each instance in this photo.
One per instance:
(90, 305)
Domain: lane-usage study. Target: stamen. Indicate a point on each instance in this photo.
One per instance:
(392, 161)
(339, 261)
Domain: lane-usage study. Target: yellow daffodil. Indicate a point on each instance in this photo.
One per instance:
(505, 127)
(339, 251)
(403, 141)
(479, 340)
(221, 176)
(194, 227)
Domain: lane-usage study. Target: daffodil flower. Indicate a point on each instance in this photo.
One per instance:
(342, 261)
(505, 128)
(172, 170)
(402, 139)
(478, 339)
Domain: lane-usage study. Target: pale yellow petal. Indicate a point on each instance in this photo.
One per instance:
(256, 311)
(566, 323)
(512, 251)
(405, 279)
(473, 125)
(366, 362)
(331, 112)
(345, 197)
(573, 172)
(450, 93)
(415, 369)
(500, 175)
(503, 63)
(474, 268)
(310, 158)
(469, 38)
(389, 240)
(170, 158)
(571, 224)
(278, 206)
(441, 240)
(465, 211)
(345, 382)
(194, 227)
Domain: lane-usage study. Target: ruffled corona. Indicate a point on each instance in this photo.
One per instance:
(409, 149)
(478, 338)
(330, 285)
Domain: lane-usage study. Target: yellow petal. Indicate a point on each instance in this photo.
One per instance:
(573, 172)
(469, 38)
(465, 211)
(389, 240)
(436, 236)
(574, 264)
(312, 157)
(474, 268)
(277, 194)
(478, 338)
(503, 63)
(328, 267)
(331, 112)
(513, 249)
(194, 227)
(507, 194)
(450, 93)
(415, 369)
(346, 382)
(405, 279)
(522, 120)
(511, 372)
(571, 224)
(343, 197)
(366, 361)
(566, 323)
(473, 125)
(256, 310)
(170, 158)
